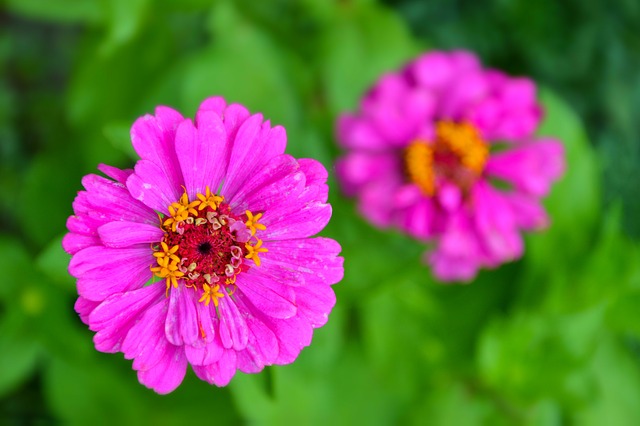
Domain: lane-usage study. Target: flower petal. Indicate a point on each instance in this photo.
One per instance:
(232, 326)
(84, 307)
(168, 373)
(265, 295)
(124, 234)
(261, 350)
(253, 146)
(181, 326)
(153, 139)
(103, 271)
(218, 373)
(202, 152)
(150, 185)
(113, 318)
(530, 167)
(315, 258)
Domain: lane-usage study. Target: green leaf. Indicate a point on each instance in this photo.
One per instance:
(63, 11)
(574, 203)
(359, 45)
(47, 195)
(53, 262)
(14, 262)
(18, 352)
(119, 134)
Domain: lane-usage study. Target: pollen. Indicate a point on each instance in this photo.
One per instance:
(209, 293)
(254, 251)
(418, 159)
(209, 200)
(457, 154)
(465, 141)
(252, 222)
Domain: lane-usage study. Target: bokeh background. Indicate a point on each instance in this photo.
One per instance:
(551, 339)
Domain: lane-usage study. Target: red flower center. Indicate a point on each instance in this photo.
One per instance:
(206, 246)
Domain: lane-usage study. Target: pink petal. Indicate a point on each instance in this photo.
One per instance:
(359, 133)
(168, 373)
(232, 326)
(202, 152)
(531, 167)
(528, 211)
(496, 225)
(293, 334)
(124, 234)
(113, 318)
(108, 201)
(266, 296)
(279, 179)
(261, 350)
(84, 307)
(115, 173)
(151, 186)
(205, 355)
(218, 373)
(315, 302)
(145, 342)
(181, 326)
(316, 175)
(308, 220)
(315, 258)
(73, 243)
(419, 219)
(357, 169)
(103, 271)
(153, 139)
(254, 145)
(458, 255)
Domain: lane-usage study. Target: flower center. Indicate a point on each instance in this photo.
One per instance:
(458, 155)
(205, 245)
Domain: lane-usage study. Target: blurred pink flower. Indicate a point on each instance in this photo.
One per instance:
(221, 219)
(427, 147)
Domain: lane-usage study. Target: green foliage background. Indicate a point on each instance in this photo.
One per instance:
(551, 339)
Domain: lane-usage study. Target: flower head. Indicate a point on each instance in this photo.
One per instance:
(202, 254)
(446, 151)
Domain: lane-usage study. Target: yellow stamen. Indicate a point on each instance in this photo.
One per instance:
(254, 251)
(252, 222)
(169, 270)
(464, 140)
(210, 293)
(209, 199)
(419, 165)
(180, 211)
(168, 252)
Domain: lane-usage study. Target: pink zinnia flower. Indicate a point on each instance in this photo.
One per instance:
(202, 253)
(426, 150)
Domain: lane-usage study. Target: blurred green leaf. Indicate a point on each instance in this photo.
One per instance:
(63, 11)
(360, 44)
(18, 352)
(14, 262)
(124, 19)
(119, 134)
(47, 191)
(618, 387)
(53, 262)
(574, 203)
